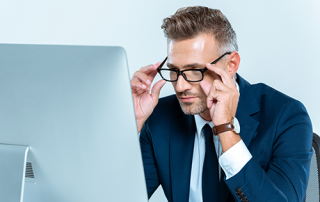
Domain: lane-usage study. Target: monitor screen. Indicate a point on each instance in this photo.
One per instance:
(67, 125)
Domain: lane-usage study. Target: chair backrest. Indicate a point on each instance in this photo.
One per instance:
(313, 190)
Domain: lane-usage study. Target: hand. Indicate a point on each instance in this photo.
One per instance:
(222, 100)
(143, 101)
(222, 96)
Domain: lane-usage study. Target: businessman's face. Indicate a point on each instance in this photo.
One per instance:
(193, 54)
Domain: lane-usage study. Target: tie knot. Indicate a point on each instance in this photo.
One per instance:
(207, 131)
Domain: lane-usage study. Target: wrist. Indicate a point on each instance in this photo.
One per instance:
(228, 139)
(222, 121)
(232, 125)
(140, 123)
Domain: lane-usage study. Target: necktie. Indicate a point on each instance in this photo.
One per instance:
(210, 174)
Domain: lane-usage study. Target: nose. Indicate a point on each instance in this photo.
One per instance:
(182, 85)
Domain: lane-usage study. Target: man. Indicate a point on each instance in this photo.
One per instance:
(191, 142)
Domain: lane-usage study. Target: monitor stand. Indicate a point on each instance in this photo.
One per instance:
(13, 160)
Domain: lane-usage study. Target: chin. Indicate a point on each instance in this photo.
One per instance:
(191, 108)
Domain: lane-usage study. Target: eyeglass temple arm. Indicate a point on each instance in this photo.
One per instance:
(214, 62)
(162, 63)
(220, 57)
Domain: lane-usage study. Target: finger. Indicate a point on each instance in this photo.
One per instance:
(221, 87)
(138, 86)
(155, 92)
(225, 76)
(216, 96)
(206, 86)
(138, 91)
(151, 71)
(218, 85)
(208, 89)
(217, 89)
(150, 68)
(142, 77)
(145, 68)
(152, 75)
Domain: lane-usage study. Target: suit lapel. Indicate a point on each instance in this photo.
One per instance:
(247, 107)
(181, 150)
(248, 125)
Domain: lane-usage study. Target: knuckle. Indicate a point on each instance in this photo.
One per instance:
(141, 75)
(215, 82)
(134, 79)
(146, 67)
(134, 85)
(136, 74)
(236, 94)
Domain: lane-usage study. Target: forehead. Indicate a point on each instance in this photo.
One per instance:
(201, 49)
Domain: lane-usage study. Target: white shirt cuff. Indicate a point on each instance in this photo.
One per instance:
(233, 160)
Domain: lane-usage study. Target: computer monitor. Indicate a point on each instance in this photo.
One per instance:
(67, 125)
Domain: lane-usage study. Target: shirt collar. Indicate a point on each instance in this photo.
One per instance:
(200, 122)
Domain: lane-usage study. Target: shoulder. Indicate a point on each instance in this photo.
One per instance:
(268, 104)
(261, 96)
(280, 110)
(271, 99)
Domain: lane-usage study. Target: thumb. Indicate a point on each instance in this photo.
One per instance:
(206, 86)
(155, 92)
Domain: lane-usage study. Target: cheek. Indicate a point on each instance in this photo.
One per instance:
(200, 91)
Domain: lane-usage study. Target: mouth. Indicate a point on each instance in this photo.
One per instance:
(187, 98)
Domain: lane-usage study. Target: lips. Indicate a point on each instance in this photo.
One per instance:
(187, 98)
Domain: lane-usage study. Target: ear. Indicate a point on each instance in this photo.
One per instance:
(233, 63)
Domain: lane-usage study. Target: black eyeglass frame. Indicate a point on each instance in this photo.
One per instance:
(181, 72)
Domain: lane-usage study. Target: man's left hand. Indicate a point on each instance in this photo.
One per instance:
(222, 100)
(222, 96)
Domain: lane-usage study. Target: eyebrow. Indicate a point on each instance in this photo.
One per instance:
(193, 66)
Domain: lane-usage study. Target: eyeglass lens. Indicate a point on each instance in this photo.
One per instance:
(171, 75)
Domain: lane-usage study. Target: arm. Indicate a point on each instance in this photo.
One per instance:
(144, 104)
(287, 175)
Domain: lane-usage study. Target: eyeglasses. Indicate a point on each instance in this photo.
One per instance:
(191, 75)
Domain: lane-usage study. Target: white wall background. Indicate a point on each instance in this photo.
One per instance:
(278, 40)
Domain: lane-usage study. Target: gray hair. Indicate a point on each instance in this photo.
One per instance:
(189, 22)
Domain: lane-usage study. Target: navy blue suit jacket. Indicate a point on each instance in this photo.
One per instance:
(275, 128)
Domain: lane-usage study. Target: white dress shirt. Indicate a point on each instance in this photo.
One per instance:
(232, 161)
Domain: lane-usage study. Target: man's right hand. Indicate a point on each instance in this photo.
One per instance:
(143, 101)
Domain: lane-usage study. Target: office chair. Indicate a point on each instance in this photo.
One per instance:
(313, 190)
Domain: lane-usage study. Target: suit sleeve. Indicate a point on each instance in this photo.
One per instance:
(286, 178)
(149, 162)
